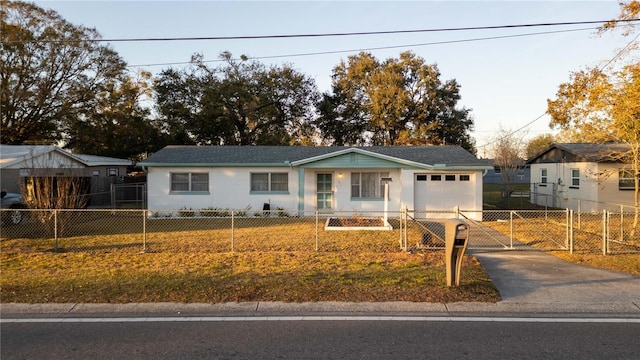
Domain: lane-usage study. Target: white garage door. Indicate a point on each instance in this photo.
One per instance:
(437, 192)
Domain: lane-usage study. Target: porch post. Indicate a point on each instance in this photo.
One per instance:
(300, 191)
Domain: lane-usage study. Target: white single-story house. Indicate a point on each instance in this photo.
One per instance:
(18, 163)
(582, 177)
(305, 179)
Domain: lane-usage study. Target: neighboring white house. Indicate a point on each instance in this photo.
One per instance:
(18, 163)
(582, 177)
(315, 178)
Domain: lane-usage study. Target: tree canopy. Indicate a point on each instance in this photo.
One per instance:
(50, 70)
(537, 144)
(59, 85)
(241, 102)
(396, 102)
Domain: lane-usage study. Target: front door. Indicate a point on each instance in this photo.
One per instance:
(324, 191)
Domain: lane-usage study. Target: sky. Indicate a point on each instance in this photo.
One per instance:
(506, 82)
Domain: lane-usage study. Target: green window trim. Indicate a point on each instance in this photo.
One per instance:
(196, 183)
(269, 183)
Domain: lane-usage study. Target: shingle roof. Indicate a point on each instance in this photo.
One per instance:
(277, 155)
(95, 160)
(589, 152)
(13, 154)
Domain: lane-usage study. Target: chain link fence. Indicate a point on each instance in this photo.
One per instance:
(213, 230)
(223, 230)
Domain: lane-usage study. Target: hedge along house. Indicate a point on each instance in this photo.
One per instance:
(582, 177)
(305, 179)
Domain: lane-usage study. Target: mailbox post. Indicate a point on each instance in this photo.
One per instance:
(456, 239)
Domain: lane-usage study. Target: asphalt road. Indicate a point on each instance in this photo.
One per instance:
(321, 338)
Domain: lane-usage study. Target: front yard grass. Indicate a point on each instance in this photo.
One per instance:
(273, 262)
(242, 276)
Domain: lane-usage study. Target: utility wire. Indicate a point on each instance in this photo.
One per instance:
(361, 33)
(617, 55)
(376, 48)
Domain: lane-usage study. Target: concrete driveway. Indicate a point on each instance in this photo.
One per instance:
(534, 277)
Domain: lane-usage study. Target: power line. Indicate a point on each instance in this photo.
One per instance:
(378, 48)
(361, 33)
(617, 55)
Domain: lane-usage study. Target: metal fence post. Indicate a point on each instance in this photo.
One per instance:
(604, 232)
(316, 214)
(403, 231)
(511, 229)
(566, 241)
(55, 229)
(571, 231)
(621, 223)
(406, 226)
(144, 230)
(579, 213)
(233, 230)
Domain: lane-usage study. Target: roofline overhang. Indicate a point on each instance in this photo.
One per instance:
(26, 157)
(282, 164)
(363, 152)
(439, 167)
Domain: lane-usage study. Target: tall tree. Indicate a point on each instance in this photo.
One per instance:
(507, 152)
(398, 101)
(241, 102)
(538, 143)
(50, 71)
(117, 124)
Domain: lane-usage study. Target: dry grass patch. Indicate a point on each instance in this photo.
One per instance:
(629, 263)
(100, 259)
(249, 276)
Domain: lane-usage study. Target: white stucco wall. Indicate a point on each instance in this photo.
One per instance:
(229, 188)
(598, 189)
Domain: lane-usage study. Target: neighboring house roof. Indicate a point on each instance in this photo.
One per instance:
(299, 155)
(95, 160)
(11, 155)
(585, 152)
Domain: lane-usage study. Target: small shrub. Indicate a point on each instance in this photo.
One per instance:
(281, 212)
(184, 212)
(243, 212)
(215, 212)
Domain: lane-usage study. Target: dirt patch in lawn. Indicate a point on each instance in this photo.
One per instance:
(355, 222)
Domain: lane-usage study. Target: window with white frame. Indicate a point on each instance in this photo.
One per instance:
(575, 178)
(189, 182)
(543, 176)
(269, 182)
(367, 185)
(625, 180)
